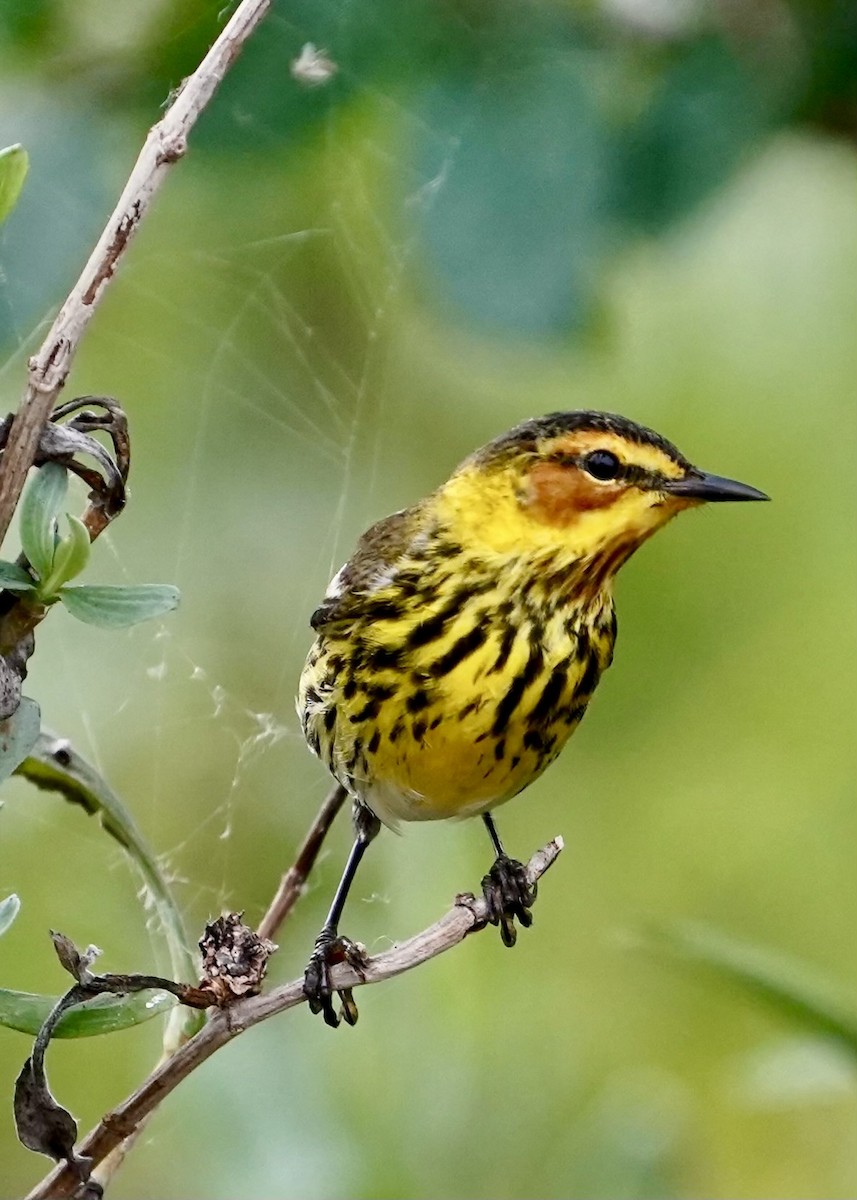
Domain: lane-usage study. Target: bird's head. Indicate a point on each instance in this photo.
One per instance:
(587, 484)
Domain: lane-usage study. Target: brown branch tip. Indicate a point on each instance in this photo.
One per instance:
(468, 915)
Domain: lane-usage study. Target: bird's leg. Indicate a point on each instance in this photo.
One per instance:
(330, 948)
(508, 893)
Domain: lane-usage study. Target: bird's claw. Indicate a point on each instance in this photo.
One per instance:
(509, 895)
(329, 950)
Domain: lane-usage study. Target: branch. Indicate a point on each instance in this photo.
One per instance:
(165, 145)
(467, 915)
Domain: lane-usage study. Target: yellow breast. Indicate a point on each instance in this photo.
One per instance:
(473, 703)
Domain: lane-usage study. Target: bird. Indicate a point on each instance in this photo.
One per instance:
(458, 648)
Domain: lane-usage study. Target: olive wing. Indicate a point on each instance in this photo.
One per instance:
(372, 566)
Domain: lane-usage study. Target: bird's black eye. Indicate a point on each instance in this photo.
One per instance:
(601, 464)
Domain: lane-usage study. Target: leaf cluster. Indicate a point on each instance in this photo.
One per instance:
(55, 560)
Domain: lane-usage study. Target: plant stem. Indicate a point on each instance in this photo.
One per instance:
(467, 915)
(164, 146)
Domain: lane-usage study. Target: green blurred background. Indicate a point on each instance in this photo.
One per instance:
(492, 210)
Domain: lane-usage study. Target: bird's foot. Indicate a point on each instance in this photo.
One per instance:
(509, 894)
(331, 949)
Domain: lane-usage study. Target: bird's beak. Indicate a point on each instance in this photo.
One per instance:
(699, 485)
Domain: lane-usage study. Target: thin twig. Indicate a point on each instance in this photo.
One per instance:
(165, 145)
(287, 895)
(467, 915)
(292, 883)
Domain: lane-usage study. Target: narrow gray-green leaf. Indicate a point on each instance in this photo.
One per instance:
(14, 578)
(42, 502)
(787, 984)
(9, 909)
(18, 734)
(54, 765)
(119, 607)
(14, 164)
(26, 1012)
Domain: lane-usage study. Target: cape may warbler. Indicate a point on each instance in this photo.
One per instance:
(458, 648)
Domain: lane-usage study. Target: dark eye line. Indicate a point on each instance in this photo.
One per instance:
(630, 473)
(638, 475)
(563, 459)
(623, 471)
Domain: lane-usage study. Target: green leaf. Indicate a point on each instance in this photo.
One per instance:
(27, 1012)
(40, 507)
(18, 734)
(14, 164)
(55, 765)
(9, 909)
(70, 557)
(15, 578)
(786, 984)
(119, 607)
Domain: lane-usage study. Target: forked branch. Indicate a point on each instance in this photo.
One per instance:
(466, 916)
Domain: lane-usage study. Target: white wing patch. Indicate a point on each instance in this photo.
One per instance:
(381, 580)
(335, 588)
(338, 587)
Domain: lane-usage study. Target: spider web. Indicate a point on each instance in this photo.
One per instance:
(271, 336)
(172, 709)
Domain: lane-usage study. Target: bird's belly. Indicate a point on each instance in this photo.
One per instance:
(456, 770)
(428, 745)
